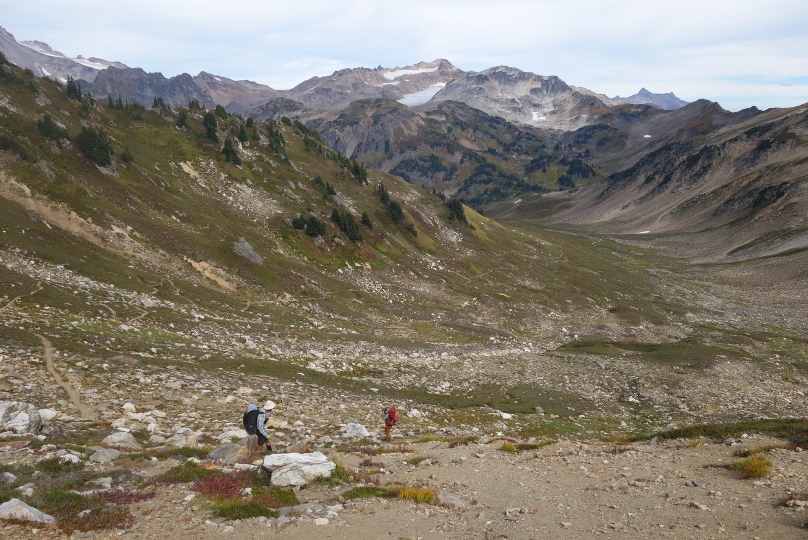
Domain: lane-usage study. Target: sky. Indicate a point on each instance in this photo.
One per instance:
(739, 53)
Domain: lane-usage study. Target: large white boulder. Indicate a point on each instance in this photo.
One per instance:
(297, 469)
(24, 422)
(16, 509)
(355, 430)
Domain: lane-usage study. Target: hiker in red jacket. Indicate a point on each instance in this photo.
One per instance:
(390, 419)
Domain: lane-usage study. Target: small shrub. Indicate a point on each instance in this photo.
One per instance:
(339, 476)
(220, 485)
(419, 495)
(55, 466)
(370, 463)
(534, 446)
(753, 467)
(275, 497)
(187, 472)
(418, 459)
(200, 452)
(234, 509)
(126, 156)
(365, 492)
(123, 496)
(508, 447)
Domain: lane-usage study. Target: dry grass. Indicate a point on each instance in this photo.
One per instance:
(509, 447)
(418, 495)
(756, 466)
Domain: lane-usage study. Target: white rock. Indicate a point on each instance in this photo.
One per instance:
(321, 521)
(414, 413)
(297, 469)
(16, 509)
(129, 407)
(122, 440)
(107, 455)
(69, 457)
(47, 414)
(355, 430)
(245, 391)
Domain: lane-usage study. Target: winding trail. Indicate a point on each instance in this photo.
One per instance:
(84, 410)
(13, 300)
(112, 311)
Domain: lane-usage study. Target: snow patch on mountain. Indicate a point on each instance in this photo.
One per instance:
(390, 75)
(422, 96)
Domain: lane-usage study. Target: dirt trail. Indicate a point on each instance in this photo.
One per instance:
(84, 410)
(14, 300)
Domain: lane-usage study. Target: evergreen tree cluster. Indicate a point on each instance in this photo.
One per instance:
(220, 112)
(366, 221)
(134, 110)
(312, 225)
(182, 118)
(456, 212)
(210, 124)
(276, 141)
(48, 128)
(73, 89)
(394, 208)
(96, 145)
(194, 105)
(346, 224)
(326, 187)
(230, 152)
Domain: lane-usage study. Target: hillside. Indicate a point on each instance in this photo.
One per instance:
(210, 261)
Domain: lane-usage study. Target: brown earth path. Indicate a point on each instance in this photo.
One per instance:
(86, 412)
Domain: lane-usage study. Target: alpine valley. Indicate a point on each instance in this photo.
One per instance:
(590, 312)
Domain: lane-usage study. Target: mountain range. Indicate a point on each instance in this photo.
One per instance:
(516, 144)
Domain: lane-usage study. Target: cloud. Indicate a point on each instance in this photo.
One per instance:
(693, 47)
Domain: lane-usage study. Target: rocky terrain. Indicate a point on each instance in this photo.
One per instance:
(545, 376)
(667, 101)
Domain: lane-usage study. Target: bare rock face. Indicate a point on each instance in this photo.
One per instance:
(16, 509)
(523, 97)
(297, 469)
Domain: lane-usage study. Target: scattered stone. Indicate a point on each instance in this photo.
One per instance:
(450, 500)
(538, 410)
(698, 506)
(121, 439)
(16, 509)
(106, 455)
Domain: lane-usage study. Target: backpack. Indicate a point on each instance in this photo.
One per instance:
(392, 416)
(251, 422)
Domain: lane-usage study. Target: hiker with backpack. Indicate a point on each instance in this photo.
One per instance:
(255, 420)
(390, 419)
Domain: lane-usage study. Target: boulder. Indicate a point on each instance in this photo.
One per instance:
(107, 455)
(300, 447)
(538, 409)
(450, 500)
(47, 414)
(355, 430)
(297, 469)
(121, 439)
(230, 454)
(19, 417)
(16, 509)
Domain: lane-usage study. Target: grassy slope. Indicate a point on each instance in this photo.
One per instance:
(449, 286)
